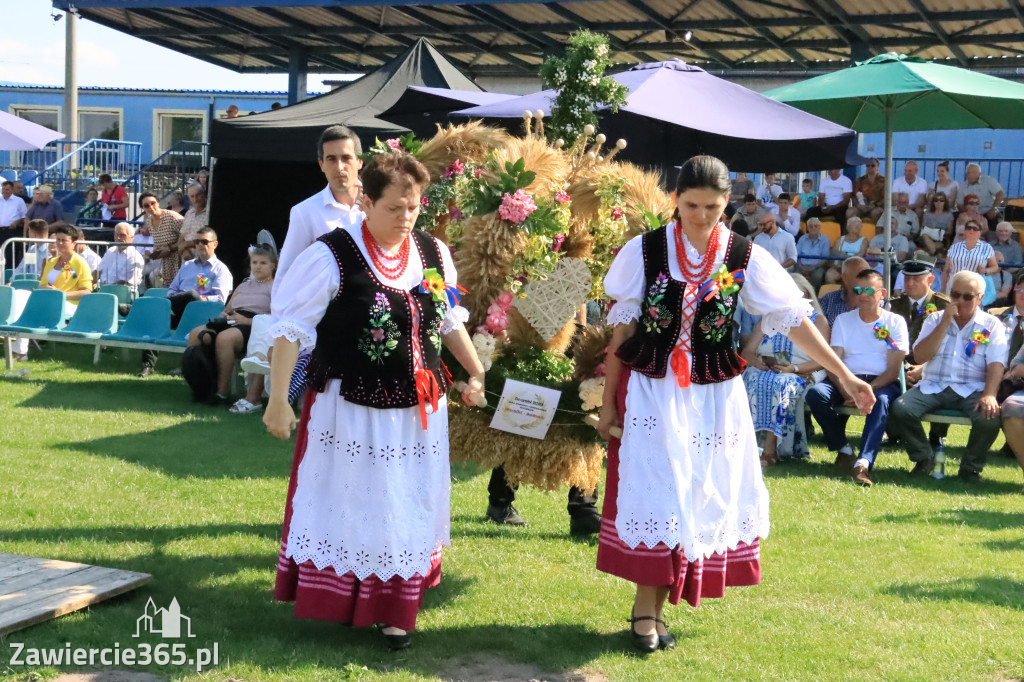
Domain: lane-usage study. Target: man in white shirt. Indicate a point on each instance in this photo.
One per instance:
(335, 206)
(121, 264)
(872, 342)
(12, 208)
(787, 216)
(915, 187)
(833, 198)
(768, 192)
(779, 243)
(964, 350)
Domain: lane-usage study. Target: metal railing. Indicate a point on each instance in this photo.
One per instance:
(14, 265)
(78, 164)
(171, 171)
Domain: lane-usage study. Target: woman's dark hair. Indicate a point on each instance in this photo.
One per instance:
(936, 197)
(387, 169)
(704, 172)
(144, 195)
(69, 231)
(944, 164)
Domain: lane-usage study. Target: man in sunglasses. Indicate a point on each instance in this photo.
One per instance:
(868, 194)
(964, 350)
(872, 343)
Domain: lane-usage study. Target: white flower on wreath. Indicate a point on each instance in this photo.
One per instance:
(594, 81)
(592, 393)
(484, 345)
(602, 50)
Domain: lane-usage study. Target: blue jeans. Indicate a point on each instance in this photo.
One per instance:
(823, 400)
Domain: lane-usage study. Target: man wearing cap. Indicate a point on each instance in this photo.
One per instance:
(45, 207)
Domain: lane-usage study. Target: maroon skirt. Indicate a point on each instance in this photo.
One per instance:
(665, 566)
(325, 595)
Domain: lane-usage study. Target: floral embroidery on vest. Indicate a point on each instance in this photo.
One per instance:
(434, 330)
(656, 316)
(381, 337)
(716, 323)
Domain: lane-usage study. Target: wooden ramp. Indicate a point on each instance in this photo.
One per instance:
(34, 590)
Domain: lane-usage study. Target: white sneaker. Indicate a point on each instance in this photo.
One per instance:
(243, 406)
(255, 364)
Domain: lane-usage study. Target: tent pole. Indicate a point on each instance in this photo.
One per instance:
(888, 194)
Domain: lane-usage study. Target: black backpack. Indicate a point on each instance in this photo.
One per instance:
(199, 367)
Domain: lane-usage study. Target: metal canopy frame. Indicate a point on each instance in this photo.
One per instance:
(500, 38)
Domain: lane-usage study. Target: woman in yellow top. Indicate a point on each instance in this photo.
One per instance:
(67, 271)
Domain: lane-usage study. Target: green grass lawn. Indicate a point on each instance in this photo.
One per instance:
(910, 580)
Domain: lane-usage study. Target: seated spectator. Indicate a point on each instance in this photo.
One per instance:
(165, 228)
(896, 241)
(122, 264)
(1012, 316)
(1006, 243)
(916, 188)
(810, 249)
(83, 250)
(778, 375)
(921, 255)
(749, 214)
(36, 255)
(907, 223)
(868, 194)
(768, 192)
(808, 197)
(872, 342)
(849, 244)
(1002, 281)
(938, 224)
(114, 199)
(969, 211)
(971, 254)
(67, 271)
(964, 351)
(779, 243)
(45, 207)
(787, 216)
(195, 219)
(250, 298)
(92, 209)
(204, 278)
(833, 198)
(1012, 409)
(741, 187)
(987, 190)
(945, 185)
(838, 302)
(152, 271)
(12, 208)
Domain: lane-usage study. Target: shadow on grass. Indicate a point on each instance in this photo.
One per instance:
(997, 591)
(978, 518)
(1016, 545)
(199, 448)
(130, 395)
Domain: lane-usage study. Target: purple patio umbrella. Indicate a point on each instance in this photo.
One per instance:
(675, 110)
(18, 135)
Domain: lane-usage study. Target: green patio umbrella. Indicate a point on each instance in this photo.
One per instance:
(894, 92)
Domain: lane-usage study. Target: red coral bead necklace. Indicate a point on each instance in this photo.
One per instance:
(378, 255)
(700, 272)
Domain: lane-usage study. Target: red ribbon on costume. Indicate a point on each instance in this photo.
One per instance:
(680, 365)
(976, 338)
(426, 393)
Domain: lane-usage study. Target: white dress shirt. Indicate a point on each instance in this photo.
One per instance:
(951, 367)
(121, 266)
(11, 209)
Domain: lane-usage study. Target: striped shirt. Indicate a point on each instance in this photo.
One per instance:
(951, 367)
(962, 258)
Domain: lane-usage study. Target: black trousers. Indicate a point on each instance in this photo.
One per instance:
(501, 494)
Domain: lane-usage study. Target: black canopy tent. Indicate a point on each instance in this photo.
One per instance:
(266, 163)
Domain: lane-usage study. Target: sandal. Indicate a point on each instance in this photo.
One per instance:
(769, 459)
(243, 406)
(644, 643)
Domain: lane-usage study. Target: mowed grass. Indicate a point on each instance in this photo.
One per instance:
(910, 580)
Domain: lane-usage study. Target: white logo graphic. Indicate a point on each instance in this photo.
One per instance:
(164, 622)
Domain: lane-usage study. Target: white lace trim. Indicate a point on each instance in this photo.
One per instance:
(294, 331)
(782, 320)
(455, 319)
(623, 313)
(711, 538)
(363, 561)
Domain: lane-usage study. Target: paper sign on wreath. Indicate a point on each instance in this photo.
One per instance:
(551, 303)
(525, 409)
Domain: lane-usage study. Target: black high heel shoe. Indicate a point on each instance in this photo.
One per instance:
(395, 642)
(644, 643)
(665, 641)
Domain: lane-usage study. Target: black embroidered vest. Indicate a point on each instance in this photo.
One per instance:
(649, 349)
(366, 335)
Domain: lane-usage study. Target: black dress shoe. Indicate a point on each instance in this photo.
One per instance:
(585, 523)
(506, 516)
(644, 643)
(924, 467)
(665, 641)
(395, 642)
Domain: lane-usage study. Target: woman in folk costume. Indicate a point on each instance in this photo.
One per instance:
(368, 501)
(686, 504)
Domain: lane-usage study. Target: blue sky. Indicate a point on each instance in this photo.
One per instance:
(32, 51)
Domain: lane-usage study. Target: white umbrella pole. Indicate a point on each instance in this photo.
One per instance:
(888, 193)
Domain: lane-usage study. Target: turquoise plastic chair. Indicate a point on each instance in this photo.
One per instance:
(43, 313)
(96, 316)
(159, 292)
(6, 304)
(8, 275)
(196, 314)
(26, 284)
(122, 291)
(149, 320)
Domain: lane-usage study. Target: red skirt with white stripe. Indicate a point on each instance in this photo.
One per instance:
(325, 595)
(664, 566)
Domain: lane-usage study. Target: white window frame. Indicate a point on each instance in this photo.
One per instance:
(105, 110)
(13, 109)
(158, 140)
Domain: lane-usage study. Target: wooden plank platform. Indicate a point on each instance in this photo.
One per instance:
(33, 590)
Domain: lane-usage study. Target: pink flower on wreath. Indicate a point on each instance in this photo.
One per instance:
(478, 172)
(455, 168)
(505, 299)
(556, 242)
(517, 207)
(424, 201)
(497, 323)
(495, 309)
(600, 370)
(395, 144)
(562, 197)
(617, 213)
(455, 214)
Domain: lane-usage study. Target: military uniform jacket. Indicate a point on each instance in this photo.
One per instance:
(903, 306)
